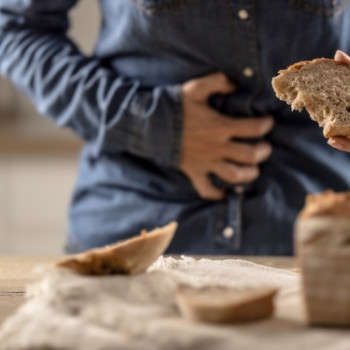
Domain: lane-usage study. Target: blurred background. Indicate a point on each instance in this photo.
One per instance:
(38, 161)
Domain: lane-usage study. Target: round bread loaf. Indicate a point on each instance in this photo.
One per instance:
(322, 242)
(327, 203)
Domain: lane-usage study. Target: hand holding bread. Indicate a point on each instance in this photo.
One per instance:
(322, 87)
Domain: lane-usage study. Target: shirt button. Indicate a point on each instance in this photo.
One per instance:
(243, 14)
(228, 232)
(238, 189)
(248, 72)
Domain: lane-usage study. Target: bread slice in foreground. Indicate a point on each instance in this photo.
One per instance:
(131, 256)
(219, 304)
(322, 86)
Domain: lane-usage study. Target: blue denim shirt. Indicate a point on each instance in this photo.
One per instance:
(125, 102)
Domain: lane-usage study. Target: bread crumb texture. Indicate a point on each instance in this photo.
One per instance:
(322, 86)
(328, 203)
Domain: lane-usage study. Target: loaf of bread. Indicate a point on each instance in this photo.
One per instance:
(322, 86)
(131, 256)
(322, 238)
(219, 304)
(327, 203)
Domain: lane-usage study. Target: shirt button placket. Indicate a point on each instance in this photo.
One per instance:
(243, 14)
(245, 44)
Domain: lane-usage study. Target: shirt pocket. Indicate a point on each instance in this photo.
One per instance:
(325, 8)
(156, 7)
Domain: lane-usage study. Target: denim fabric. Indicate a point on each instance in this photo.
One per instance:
(125, 102)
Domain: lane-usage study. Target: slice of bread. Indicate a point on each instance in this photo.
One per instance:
(322, 86)
(131, 256)
(219, 304)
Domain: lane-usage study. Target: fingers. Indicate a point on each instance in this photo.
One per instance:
(248, 127)
(232, 173)
(249, 155)
(244, 153)
(340, 56)
(206, 189)
(202, 88)
(340, 142)
(206, 144)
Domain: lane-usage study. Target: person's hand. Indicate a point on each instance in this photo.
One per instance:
(207, 139)
(340, 142)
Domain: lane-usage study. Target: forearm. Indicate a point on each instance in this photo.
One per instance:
(114, 113)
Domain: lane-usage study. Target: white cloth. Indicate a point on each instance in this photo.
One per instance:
(72, 312)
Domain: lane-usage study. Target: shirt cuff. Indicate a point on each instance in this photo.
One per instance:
(149, 127)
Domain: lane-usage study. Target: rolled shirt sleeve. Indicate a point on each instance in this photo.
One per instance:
(106, 109)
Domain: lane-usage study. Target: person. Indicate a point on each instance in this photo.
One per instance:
(179, 118)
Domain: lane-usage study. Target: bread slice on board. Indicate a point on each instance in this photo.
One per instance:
(219, 304)
(131, 256)
(322, 86)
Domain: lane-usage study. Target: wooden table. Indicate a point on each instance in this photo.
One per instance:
(15, 275)
(16, 272)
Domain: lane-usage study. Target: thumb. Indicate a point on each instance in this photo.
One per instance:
(202, 88)
(341, 56)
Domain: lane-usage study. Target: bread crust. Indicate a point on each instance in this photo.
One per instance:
(334, 130)
(301, 64)
(327, 203)
(219, 304)
(131, 256)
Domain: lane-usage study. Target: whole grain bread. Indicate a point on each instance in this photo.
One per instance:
(322, 86)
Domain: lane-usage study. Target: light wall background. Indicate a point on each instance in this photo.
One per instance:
(38, 161)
